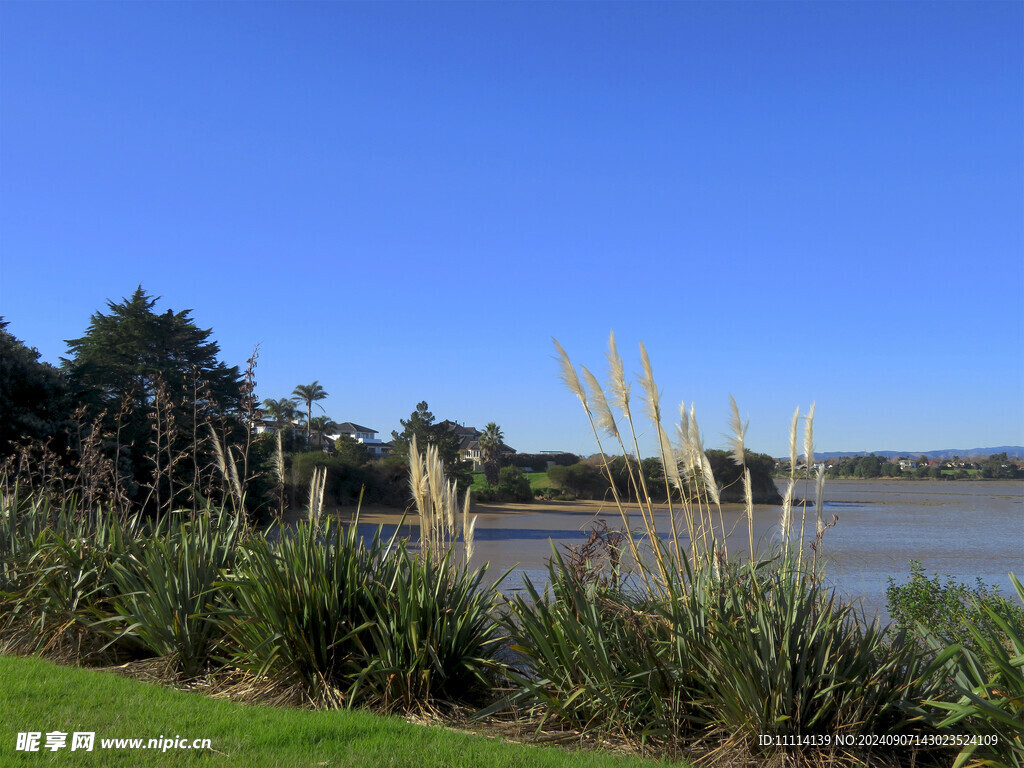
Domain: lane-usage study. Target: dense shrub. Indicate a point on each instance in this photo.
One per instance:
(512, 486)
(987, 699)
(729, 476)
(927, 606)
(378, 482)
(584, 481)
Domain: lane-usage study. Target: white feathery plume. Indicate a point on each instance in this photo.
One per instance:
(219, 453)
(467, 529)
(617, 376)
(792, 440)
(316, 493)
(683, 433)
(652, 398)
(569, 376)
(709, 479)
(739, 433)
(748, 498)
(233, 468)
(605, 418)
(279, 460)
(787, 509)
(670, 459)
(419, 486)
(695, 439)
(819, 500)
(809, 438)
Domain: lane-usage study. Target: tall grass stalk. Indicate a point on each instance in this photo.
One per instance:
(317, 484)
(438, 505)
(692, 492)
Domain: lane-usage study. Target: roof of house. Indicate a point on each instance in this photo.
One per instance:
(460, 430)
(348, 426)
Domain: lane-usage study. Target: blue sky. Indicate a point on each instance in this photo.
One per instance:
(787, 202)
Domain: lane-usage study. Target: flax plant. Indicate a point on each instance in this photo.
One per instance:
(434, 634)
(169, 588)
(55, 577)
(302, 607)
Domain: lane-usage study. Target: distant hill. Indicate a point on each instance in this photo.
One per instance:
(947, 453)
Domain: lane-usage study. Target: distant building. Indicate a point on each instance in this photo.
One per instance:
(469, 443)
(364, 435)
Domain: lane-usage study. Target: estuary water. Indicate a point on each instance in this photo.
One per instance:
(967, 529)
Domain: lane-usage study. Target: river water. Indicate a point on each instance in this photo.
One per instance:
(967, 529)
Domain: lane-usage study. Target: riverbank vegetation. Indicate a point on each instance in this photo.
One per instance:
(655, 634)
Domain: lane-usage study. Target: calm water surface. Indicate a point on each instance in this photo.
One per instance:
(965, 529)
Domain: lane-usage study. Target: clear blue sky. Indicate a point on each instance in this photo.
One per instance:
(788, 202)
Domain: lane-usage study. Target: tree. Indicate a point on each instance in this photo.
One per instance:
(321, 425)
(284, 412)
(585, 481)
(351, 451)
(421, 425)
(491, 445)
(32, 395)
(281, 411)
(155, 383)
(513, 485)
(729, 475)
(868, 466)
(309, 394)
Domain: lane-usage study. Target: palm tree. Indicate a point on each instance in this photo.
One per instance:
(322, 424)
(310, 393)
(284, 412)
(491, 445)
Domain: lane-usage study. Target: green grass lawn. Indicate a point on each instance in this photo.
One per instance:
(537, 480)
(41, 696)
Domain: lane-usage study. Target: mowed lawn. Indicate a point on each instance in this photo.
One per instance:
(537, 480)
(40, 696)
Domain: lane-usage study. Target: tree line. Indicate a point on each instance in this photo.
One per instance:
(996, 466)
(589, 479)
(143, 414)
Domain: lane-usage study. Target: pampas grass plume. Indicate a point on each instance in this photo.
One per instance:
(569, 376)
(809, 438)
(605, 418)
(617, 375)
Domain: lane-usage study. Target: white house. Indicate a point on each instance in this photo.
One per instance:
(364, 435)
